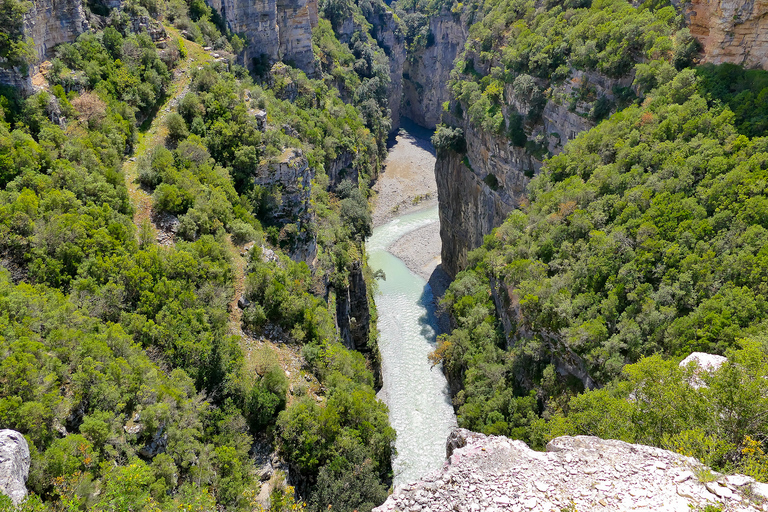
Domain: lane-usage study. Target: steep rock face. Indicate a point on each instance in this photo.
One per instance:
(390, 38)
(425, 87)
(48, 23)
(582, 473)
(290, 180)
(14, 465)
(468, 209)
(278, 29)
(477, 197)
(352, 313)
(733, 31)
(52, 22)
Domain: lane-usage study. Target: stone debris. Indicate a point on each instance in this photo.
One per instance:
(493, 473)
(167, 226)
(14, 465)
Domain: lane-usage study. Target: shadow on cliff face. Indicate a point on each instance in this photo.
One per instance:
(433, 292)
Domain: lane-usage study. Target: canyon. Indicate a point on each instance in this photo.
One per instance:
(476, 190)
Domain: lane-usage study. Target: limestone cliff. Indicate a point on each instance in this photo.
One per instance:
(353, 317)
(426, 72)
(47, 23)
(733, 31)
(52, 22)
(277, 29)
(390, 38)
(491, 473)
(477, 190)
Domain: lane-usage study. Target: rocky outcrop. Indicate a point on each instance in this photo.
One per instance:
(703, 363)
(490, 473)
(276, 29)
(14, 465)
(426, 72)
(734, 31)
(47, 23)
(352, 313)
(52, 22)
(468, 208)
(291, 176)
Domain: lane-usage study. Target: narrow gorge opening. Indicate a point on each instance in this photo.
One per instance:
(404, 251)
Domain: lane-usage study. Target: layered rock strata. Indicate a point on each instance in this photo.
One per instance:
(490, 473)
(734, 31)
(276, 29)
(14, 465)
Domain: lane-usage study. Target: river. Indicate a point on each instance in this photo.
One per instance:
(417, 394)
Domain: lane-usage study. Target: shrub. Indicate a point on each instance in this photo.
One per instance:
(446, 139)
(177, 127)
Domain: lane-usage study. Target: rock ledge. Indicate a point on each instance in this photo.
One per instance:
(490, 473)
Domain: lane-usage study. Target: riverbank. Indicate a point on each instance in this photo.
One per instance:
(408, 181)
(408, 185)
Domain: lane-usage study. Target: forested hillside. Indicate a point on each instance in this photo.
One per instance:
(120, 361)
(641, 241)
(184, 285)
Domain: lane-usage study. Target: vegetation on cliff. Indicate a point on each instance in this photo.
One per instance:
(118, 356)
(645, 236)
(15, 48)
(521, 55)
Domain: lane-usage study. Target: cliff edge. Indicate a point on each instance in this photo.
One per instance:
(492, 473)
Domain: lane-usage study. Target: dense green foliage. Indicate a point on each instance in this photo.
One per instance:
(721, 421)
(542, 52)
(74, 359)
(122, 66)
(117, 363)
(646, 235)
(745, 91)
(65, 369)
(449, 139)
(358, 68)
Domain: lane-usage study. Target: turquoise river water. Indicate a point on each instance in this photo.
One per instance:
(417, 395)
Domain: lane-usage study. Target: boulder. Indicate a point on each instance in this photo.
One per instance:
(14, 465)
(704, 363)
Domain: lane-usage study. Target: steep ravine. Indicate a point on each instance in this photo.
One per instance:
(417, 393)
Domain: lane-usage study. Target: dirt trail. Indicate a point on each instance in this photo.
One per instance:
(155, 135)
(288, 356)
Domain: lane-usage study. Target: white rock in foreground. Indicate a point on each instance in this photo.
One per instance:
(490, 473)
(14, 465)
(704, 363)
(709, 362)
